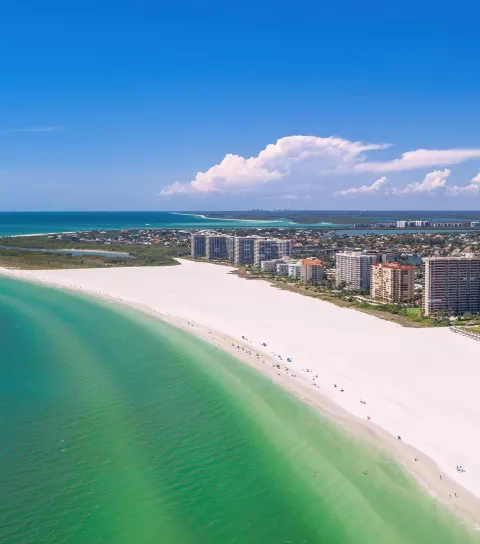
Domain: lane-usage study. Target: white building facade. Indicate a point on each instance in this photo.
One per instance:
(353, 268)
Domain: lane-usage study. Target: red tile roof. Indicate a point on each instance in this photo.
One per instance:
(311, 262)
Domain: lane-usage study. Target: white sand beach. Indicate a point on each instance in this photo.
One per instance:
(419, 384)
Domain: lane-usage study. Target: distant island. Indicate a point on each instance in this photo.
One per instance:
(353, 218)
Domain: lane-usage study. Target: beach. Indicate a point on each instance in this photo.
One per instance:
(375, 378)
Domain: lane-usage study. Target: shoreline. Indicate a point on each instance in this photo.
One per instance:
(425, 471)
(228, 219)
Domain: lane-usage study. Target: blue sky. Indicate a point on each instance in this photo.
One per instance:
(150, 105)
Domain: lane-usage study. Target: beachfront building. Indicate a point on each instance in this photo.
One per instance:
(285, 248)
(312, 270)
(451, 284)
(282, 269)
(271, 266)
(219, 248)
(244, 249)
(266, 249)
(353, 268)
(197, 244)
(239, 249)
(392, 282)
(294, 270)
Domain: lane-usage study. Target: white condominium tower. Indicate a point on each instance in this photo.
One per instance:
(197, 244)
(354, 269)
(244, 249)
(239, 249)
(267, 250)
(451, 284)
(219, 248)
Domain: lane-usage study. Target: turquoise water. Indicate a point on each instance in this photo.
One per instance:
(16, 223)
(116, 428)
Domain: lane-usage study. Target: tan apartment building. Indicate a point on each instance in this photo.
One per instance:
(451, 284)
(312, 270)
(392, 282)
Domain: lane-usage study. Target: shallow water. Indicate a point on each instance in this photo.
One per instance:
(17, 223)
(116, 428)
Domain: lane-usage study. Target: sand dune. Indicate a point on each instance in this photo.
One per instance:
(421, 384)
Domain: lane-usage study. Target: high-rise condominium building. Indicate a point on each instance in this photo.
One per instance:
(197, 244)
(311, 270)
(244, 249)
(392, 282)
(354, 269)
(267, 250)
(451, 284)
(219, 247)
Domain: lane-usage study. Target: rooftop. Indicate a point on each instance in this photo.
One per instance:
(395, 266)
(311, 262)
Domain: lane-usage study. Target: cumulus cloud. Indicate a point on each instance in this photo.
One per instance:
(275, 162)
(420, 158)
(310, 157)
(472, 188)
(375, 187)
(431, 183)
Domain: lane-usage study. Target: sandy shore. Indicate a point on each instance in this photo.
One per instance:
(420, 384)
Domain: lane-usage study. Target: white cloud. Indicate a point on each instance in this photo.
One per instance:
(375, 187)
(301, 158)
(420, 158)
(176, 188)
(472, 188)
(431, 183)
(276, 161)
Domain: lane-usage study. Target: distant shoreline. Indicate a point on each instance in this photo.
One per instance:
(227, 218)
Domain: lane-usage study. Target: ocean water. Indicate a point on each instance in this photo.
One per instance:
(18, 223)
(117, 428)
(21, 223)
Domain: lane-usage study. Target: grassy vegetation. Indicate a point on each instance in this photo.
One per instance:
(145, 255)
(46, 261)
(475, 329)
